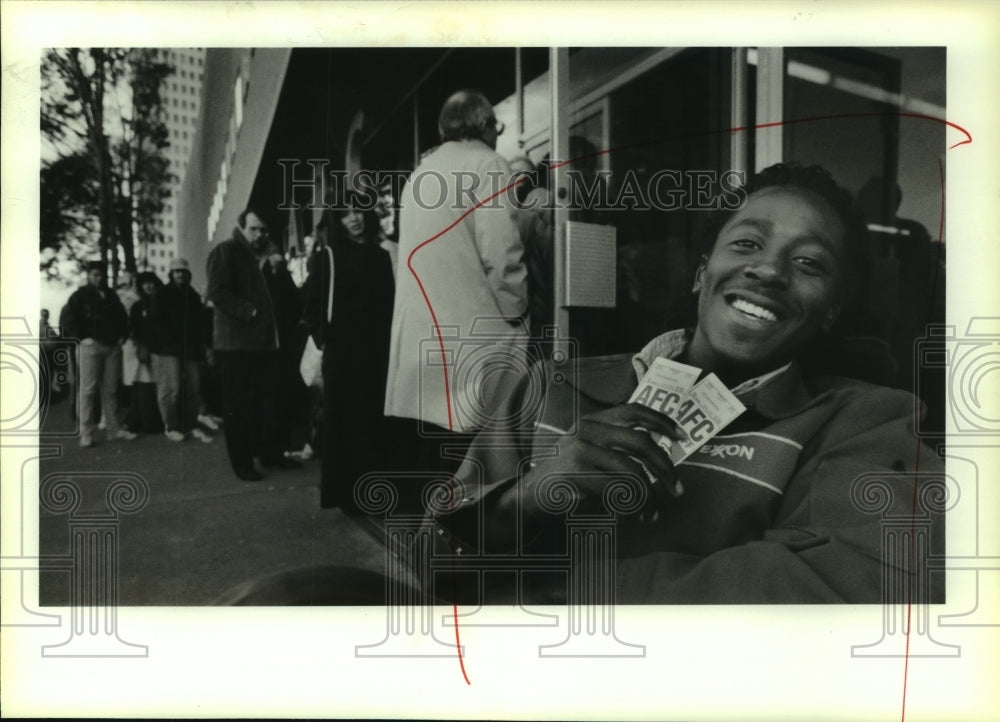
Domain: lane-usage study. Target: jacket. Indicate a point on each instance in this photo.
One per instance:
(88, 314)
(460, 267)
(142, 325)
(176, 319)
(244, 315)
(355, 341)
(768, 514)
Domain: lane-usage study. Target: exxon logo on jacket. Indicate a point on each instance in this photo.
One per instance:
(724, 450)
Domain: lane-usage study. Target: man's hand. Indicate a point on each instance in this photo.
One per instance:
(617, 441)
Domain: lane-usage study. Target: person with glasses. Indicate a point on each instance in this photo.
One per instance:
(461, 275)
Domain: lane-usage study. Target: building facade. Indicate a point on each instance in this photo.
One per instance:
(662, 127)
(181, 94)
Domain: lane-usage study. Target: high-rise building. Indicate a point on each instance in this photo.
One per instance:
(181, 93)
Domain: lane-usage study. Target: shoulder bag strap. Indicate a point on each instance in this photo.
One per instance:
(329, 303)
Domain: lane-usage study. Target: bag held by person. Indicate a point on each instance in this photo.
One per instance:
(311, 365)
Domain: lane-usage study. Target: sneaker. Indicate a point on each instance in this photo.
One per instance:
(174, 435)
(208, 422)
(305, 454)
(123, 435)
(86, 442)
(201, 436)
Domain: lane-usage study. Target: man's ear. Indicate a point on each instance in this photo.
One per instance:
(698, 274)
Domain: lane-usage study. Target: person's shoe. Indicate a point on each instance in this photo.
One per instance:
(281, 463)
(123, 435)
(201, 436)
(250, 474)
(305, 454)
(208, 422)
(174, 435)
(86, 442)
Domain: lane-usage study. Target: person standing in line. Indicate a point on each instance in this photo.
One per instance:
(176, 314)
(385, 209)
(468, 280)
(355, 343)
(143, 415)
(245, 339)
(293, 396)
(96, 317)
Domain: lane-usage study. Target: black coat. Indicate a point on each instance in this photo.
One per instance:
(244, 316)
(355, 346)
(89, 314)
(356, 340)
(141, 325)
(177, 321)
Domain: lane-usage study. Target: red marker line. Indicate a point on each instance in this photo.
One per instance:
(444, 366)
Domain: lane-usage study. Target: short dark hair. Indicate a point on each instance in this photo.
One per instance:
(465, 116)
(95, 266)
(241, 219)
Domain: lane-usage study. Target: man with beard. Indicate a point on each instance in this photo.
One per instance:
(245, 339)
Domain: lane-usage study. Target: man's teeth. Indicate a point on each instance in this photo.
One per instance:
(753, 309)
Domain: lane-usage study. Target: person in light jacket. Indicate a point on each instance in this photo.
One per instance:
(461, 287)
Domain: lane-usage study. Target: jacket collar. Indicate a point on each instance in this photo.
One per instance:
(611, 380)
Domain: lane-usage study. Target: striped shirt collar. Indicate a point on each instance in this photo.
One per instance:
(671, 344)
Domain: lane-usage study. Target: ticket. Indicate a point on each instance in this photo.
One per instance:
(707, 410)
(664, 385)
(701, 409)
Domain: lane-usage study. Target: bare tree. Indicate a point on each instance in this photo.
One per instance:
(104, 105)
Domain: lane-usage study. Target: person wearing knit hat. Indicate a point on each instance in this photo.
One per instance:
(177, 317)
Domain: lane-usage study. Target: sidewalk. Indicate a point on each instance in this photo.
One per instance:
(202, 530)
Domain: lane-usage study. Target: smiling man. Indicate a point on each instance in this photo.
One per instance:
(769, 510)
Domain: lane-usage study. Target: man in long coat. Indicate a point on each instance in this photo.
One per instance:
(458, 325)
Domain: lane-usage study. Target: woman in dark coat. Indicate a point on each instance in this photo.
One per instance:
(355, 343)
(143, 413)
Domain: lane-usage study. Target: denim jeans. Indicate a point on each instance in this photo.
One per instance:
(176, 391)
(100, 373)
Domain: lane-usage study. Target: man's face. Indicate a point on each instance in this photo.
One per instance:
(771, 283)
(254, 229)
(95, 277)
(384, 206)
(149, 288)
(179, 277)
